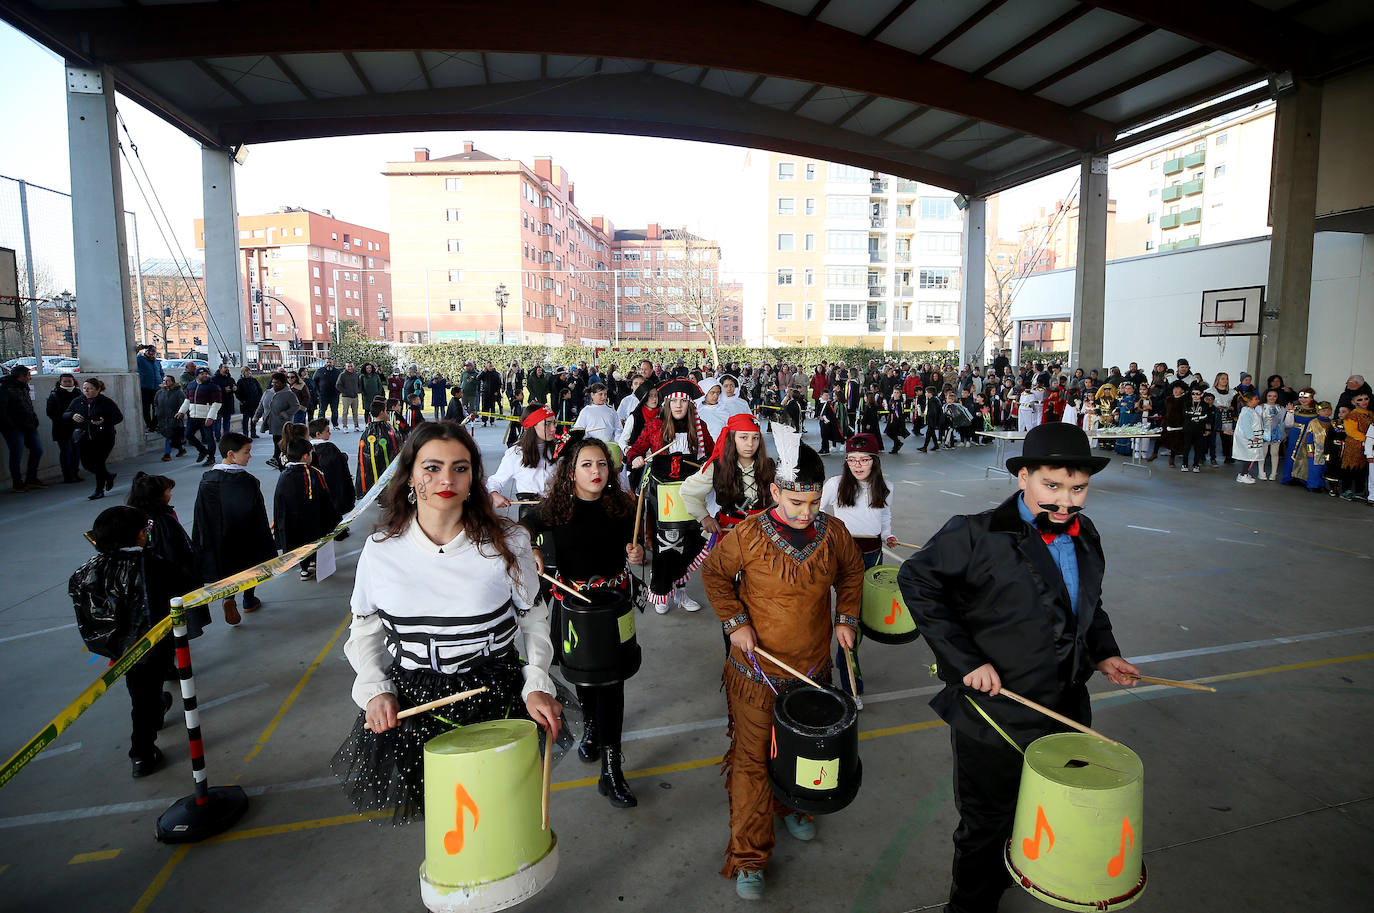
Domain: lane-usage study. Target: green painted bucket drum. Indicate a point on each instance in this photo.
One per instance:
(617, 457)
(883, 615)
(1075, 843)
(485, 846)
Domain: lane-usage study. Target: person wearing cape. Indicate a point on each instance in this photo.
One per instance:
(582, 533)
(302, 509)
(735, 482)
(769, 582)
(329, 459)
(230, 529)
(1013, 596)
(677, 540)
(377, 447)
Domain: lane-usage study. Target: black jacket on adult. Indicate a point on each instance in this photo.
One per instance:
(248, 392)
(16, 408)
(58, 401)
(231, 532)
(985, 589)
(998, 363)
(326, 381)
(489, 383)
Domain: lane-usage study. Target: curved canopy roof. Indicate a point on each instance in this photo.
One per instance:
(973, 95)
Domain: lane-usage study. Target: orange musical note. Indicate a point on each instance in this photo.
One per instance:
(773, 749)
(1032, 847)
(817, 781)
(1118, 862)
(453, 840)
(667, 504)
(896, 610)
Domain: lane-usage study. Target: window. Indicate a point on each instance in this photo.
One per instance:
(845, 276)
(1154, 163)
(846, 207)
(787, 206)
(1200, 147)
(334, 236)
(847, 174)
(298, 232)
(330, 292)
(1149, 245)
(316, 271)
(938, 312)
(937, 278)
(632, 326)
(319, 309)
(1150, 217)
(455, 275)
(454, 183)
(1221, 139)
(809, 241)
(842, 310)
(810, 172)
(809, 277)
(784, 277)
(787, 171)
(937, 208)
(940, 242)
(784, 310)
(632, 291)
(674, 327)
(810, 310)
(1154, 191)
(810, 206)
(455, 246)
(1218, 171)
(455, 304)
(453, 215)
(787, 241)
(853, 242)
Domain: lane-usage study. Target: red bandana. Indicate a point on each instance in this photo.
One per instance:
(1071, 531)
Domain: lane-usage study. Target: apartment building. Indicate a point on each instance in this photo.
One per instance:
(1206, 185)
(304, 272)
(668, 287)
(170, 309)
(859, 259)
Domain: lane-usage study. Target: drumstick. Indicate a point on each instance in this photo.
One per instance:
(909, 545)
(536, 501)
(1073, 724)
(1191, 686)
(451, 699)
(640, 498)
(549, 737)
(849, 664)
(565, 588)
(777, 662)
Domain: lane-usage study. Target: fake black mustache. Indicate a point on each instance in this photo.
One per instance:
(1054, 508)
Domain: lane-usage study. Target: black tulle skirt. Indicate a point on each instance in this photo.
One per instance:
(384, 771)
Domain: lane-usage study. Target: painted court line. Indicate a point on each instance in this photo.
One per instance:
(955, 493)
(1148, 529)
(260, 686)
(5, 640)
(53, 752)
(1251, 644)
(1241, 542)
(97, 856)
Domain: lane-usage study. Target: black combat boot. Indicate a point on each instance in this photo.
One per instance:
(612, 784)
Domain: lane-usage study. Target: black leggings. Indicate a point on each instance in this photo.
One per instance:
(605, 704)
(93, 457)
(1194, 443)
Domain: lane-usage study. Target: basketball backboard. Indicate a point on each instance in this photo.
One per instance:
(1240, 306)
(9, 285)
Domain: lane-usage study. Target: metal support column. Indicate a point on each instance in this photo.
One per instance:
(973, 348)
(1090, 272)
(223, 281)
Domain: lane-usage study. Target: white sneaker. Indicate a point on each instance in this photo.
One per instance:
(687, 603)
(663, 607)
(1245, 479)
(1197, 468)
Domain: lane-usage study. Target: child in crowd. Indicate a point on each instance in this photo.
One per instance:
(455, 411)
(415, 410)
(302, 507)
(118, 596)
(396, 415)
(167, 403)
(896, 420)
(598, 419)
(377, 447)
(167, 538)
(1354, 466)
(1335, 444)
(1196, 418)
(1073, 404)
(330, 461)
(934, 418)
(957, 421)
(1248, 446)
(1209, 441)
(1272, 432)
(230, 531)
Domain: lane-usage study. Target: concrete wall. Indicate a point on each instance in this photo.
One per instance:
(129, 437)
(1345, 180)
(1153, 305)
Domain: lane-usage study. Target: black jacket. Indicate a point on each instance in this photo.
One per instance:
(248, 392)
(102, 408)
(985, 589)
(302, 507)
(58, 401)
(329, 459)
(16, 408)
(230, 531)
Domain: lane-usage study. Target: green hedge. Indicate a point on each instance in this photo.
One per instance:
(449, 357)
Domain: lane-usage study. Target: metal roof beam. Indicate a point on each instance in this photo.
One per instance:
(424, 70)
(863, 103)
(1086, 61)
(1238, 27)
(1150, 75)
(893, 15)
(222, 81)
(296, 80)
(902, 121)
(358, 72)
(723, 34)
(1031, 40)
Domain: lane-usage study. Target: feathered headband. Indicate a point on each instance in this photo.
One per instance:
(789, 444)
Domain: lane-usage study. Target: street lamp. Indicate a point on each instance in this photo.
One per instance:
(382, 315)
(502, 299)
(66, 303)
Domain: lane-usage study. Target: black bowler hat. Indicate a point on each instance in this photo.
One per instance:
(1057, 444)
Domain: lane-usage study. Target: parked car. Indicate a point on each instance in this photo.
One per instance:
(27, 361)
(66, 366)
(173, 366)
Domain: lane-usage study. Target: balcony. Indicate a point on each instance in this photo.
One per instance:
(878, 185)
(877, 256)
(1179, 245)
(903, 256)
(1191, 216)
(1192, 187)
(1171, 193)
(877, 291)
(1193, 159)
(902, 326)
(1169, 221)
(877, 326)
(906, 291)
(906, 222)
(877, 222)
(1173, 166)
(906, 187)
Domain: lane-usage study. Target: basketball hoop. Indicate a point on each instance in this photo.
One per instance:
(1219, 329)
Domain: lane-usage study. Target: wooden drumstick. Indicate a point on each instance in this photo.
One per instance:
(777, 662)
(909, 545)
(549, 737)
(566, 589)
(849, 664)
(451, 699)
(1073, 724)
(535, 501)
(1191, 686)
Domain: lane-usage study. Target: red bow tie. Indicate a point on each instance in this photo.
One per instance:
(1071, 531)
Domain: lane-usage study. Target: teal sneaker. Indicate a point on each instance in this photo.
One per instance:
(749, 885)
(800, 826)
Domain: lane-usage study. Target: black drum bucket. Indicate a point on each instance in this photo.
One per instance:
(813, 756)
(596, 640)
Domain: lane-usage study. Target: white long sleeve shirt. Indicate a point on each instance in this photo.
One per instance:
(439, 607)
(526, 478)
(861, 519)
(600, 422)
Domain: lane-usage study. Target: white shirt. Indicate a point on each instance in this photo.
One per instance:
(527, 479)
(600, 422)
(715, 416)
(861, 519)
(627, 406)
(410, 582)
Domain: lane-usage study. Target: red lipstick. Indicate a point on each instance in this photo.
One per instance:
(596, 480)
(446, 494)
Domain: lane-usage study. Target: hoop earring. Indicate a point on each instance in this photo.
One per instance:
(410, 494)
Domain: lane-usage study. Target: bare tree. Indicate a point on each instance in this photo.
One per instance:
(999, 295)
(686, 290)
(171, 313)
(16, 337)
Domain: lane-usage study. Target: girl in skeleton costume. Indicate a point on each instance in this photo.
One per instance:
(585, 527)
(686, 442)
(734, 483)
(441, 590)
(529, 464)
